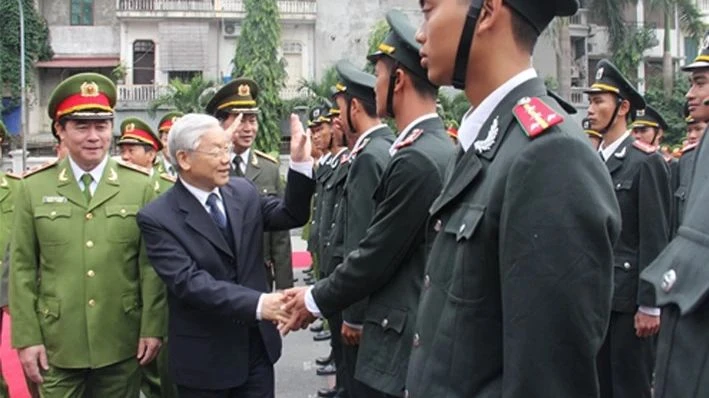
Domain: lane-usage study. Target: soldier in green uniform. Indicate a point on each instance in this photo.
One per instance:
(162, 161)
(388, 264)
(236, 103)
(139, 146)
(8, 184)
(680, 275)
(642, 187)
(516, 291)
(88, 309)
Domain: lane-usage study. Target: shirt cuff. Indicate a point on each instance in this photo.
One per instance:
(310, 304)
(304, 168)
(652, 311)
(258, 307)
(353, 326)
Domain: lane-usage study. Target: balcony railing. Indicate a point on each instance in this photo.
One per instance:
(578, 97)
(139, 94)
(703, 6)
(285, 7)
(581, 17)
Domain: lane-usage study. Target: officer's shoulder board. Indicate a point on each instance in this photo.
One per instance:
(535, 116)
(168, 177)
(265, 156)
(133, 167)
(410, 139)
(13, 176)
(689, 148)
(42, 167)
(643, 147)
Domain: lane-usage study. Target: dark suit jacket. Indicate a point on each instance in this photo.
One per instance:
(642, 186)
(680, 277)
(389, 262)
(213, 287)
(517, 288)
(682, 178)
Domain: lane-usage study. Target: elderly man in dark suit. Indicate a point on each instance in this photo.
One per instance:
(204, 238)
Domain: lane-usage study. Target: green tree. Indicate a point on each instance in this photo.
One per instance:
(376, 37)
(37, 46)
(453, 105)
(691, 24)
(257, 57)
(670, 107)
(187, 97)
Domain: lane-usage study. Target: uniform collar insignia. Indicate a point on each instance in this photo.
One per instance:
(486, 144)
(62, 176)
(157, 186)
(621, 154)
(112, 176)
(3, 182)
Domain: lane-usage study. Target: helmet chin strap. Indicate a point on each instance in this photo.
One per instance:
(390, 93)
(460, 70)
(349, 114)
(618, 103)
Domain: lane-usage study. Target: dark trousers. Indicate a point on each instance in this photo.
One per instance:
(335, 323)
(259, 384)
(683, 354)
(625, 362)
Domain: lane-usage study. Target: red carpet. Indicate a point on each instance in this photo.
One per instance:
(12, 370)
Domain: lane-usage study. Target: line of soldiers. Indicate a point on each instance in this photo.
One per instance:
(98, 304)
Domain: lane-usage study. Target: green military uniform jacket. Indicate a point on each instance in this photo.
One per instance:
(680, 278)
(642, 186)
(332, 191)
(516, 293)
(8, 184)
(263, 170)
(161, 182)
(389, 263)
(368, 162)
(80, 281)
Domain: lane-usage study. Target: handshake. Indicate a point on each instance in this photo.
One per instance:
(287, 310)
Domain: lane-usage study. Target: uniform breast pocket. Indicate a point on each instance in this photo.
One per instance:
(469, 275)
(623, 185)
(121, 224)
(268, 190)
(465, 221)
(52, 224)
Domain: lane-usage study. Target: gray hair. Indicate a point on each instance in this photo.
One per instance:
(186, 133)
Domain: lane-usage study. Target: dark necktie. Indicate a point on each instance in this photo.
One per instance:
(86, 179)
(237, 165)
(215, 212)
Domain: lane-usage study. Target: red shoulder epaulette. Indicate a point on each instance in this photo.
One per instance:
(688, 148)
(647, 148)
(535, 116)
(413, 136)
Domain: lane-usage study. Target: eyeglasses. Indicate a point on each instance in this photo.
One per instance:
(217, 153)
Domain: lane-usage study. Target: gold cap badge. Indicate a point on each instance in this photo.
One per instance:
(130, 127)
(244, 90)
(89, 89)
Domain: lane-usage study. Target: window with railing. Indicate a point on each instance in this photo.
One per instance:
(82, 12)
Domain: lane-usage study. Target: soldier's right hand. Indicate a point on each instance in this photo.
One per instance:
(33, 358)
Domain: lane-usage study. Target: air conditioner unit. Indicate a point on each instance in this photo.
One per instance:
(231, 29)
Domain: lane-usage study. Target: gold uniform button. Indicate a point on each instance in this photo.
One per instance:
(53, 213)
(46, 311)
(123, 211)
(90, 244)
(89, 216)
(91, 273)
(92, 303)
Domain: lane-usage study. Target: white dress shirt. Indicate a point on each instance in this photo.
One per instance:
(475, 117)
(96, 173)
(608, 151)
(407, 130)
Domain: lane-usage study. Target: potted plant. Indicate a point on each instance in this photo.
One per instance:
(119, 73)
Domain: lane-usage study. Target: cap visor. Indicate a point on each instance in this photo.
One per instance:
(696, 65)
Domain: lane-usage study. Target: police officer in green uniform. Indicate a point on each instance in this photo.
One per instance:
(516, 292)
(388, 264)
(236, 103)
(642, 187)
(162, 161)
(8, 184)
(680, 275)
(139, 146)
(88, 309)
